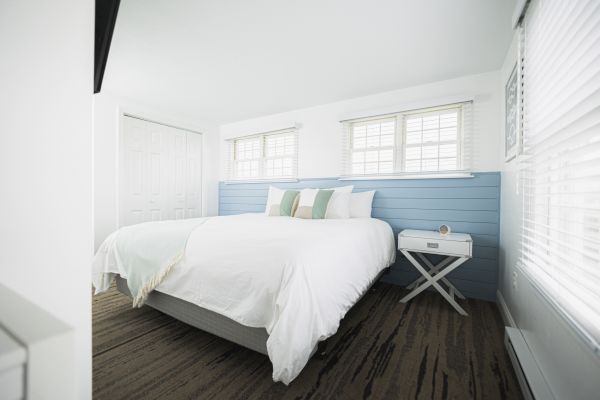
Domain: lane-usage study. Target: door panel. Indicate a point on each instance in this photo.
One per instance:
(158, 158)
(179, 155)
(193, 185)
(133, 177)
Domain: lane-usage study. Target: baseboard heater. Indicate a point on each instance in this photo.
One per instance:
(532, 382)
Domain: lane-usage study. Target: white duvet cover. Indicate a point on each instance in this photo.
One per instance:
(297, 278)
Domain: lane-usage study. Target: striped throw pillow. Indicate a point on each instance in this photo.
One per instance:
(282, 203)
(313, 203)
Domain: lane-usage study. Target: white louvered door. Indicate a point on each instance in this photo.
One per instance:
(160, 172)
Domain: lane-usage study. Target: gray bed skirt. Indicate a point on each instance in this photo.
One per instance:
(210, 321)
(206, 320)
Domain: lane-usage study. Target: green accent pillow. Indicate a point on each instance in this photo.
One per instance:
(321, 202)
(286, 206)
(289, 203)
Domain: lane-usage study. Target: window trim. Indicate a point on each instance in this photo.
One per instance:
(400, 144)
(232, 142)
(453, 175)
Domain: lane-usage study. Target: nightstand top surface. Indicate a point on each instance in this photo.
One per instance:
(455, 237)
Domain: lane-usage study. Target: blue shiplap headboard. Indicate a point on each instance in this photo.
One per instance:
(470, 205)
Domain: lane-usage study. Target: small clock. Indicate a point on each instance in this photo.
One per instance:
(444, 229)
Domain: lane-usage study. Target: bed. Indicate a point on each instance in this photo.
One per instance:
(277, 285)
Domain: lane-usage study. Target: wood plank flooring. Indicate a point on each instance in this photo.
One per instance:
(383, 350)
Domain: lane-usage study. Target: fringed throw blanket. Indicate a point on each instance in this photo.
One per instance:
(148, 252)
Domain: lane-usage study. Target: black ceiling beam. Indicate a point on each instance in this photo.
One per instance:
(106, 18)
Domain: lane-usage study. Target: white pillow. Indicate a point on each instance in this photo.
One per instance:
(361, 204)
(275, 196)
(339, 205)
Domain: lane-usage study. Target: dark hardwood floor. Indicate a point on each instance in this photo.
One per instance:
(383, 350)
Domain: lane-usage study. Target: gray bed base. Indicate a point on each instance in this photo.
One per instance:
(210, 321)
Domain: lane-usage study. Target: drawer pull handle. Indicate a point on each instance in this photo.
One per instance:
(432, 245)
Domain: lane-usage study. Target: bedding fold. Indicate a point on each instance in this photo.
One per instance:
(148, 252)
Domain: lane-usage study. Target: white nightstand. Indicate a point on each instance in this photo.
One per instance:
(457, 247)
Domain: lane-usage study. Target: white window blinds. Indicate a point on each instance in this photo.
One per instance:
(247, 157)
(373, 146)
(272, 155)
(561, 157)
(280, 154)
(432, 140)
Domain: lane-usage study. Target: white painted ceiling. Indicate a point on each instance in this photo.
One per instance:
(225, 60)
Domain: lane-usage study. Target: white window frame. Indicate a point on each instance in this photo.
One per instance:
(262, 159)
(399, 161)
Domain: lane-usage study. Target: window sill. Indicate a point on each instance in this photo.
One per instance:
(274, 180)
(453, 175)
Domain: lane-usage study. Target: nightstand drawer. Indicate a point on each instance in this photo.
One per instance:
(435, 246)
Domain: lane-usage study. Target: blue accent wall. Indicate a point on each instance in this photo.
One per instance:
(470, 205)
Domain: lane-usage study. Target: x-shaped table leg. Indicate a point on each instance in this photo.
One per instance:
(433, 281)
(434, 269)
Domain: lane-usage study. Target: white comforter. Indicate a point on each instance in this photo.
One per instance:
(297, 278)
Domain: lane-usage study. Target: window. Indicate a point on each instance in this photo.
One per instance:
(560, 232)
(431, 141)
(280, 154)
(415, 142)
(270, 155)
(248, 154)
(373, 147)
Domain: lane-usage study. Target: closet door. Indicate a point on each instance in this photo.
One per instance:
(160, 172)
(132, 174)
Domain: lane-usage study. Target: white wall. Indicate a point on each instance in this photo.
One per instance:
(568, 366)
(108, 109)
(320, 134)
(46, 162)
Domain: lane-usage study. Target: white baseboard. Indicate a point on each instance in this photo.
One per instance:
(530, 377)
(531, 380)
(505, 311)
